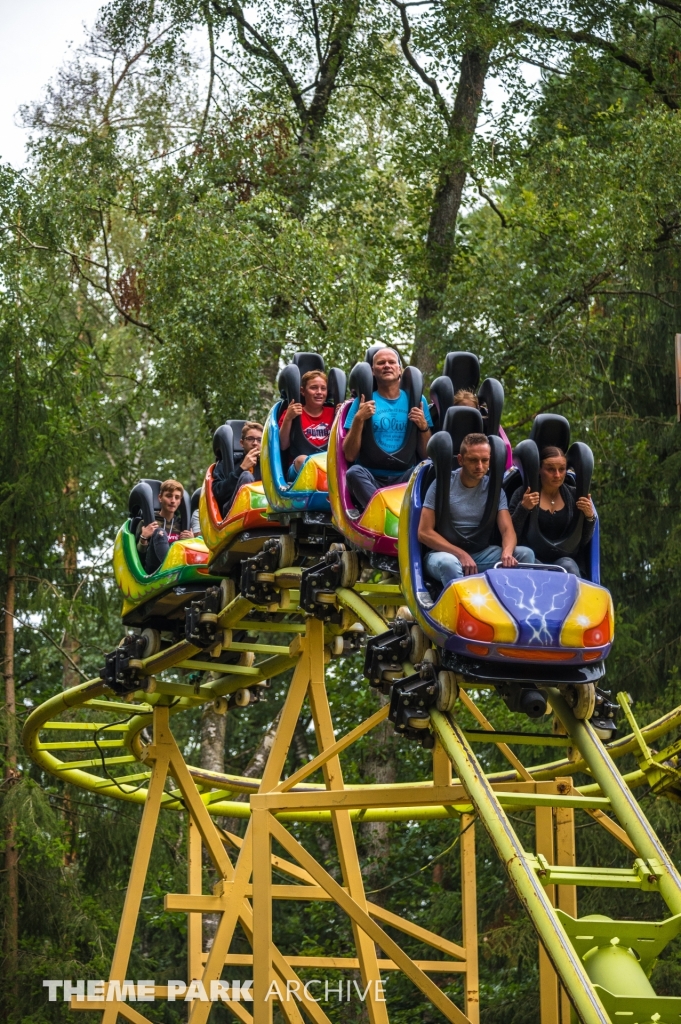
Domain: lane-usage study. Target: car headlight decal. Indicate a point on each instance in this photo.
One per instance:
(590, 622)
(484, 612)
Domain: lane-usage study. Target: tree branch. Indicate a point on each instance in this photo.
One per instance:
(633, 291)
(39, 629)
(565, 35)
(490, 202)
(544, 408)
(109, 288)
(317, 37)
(413, 63)
(667, 4)
(211, 81)
(264, 49)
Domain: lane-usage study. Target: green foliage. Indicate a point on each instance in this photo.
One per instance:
(185, 221)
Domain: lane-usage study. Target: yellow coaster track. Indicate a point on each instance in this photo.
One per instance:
(124, 748)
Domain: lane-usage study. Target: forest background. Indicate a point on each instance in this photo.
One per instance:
(211, 187)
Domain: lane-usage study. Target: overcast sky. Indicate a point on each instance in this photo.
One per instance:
(34, 40)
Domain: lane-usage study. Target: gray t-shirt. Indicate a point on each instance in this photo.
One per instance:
(466, 505)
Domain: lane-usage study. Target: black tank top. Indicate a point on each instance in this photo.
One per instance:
(553, 524)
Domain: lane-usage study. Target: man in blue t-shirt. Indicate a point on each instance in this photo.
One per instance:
(388, 409)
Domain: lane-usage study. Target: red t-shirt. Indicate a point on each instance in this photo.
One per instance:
(316, 431)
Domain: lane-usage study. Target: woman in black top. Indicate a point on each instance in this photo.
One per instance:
(558, 505)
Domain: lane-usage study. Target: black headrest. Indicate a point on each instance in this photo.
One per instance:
(227, 444)
(306, 361)
(550, 429)
(362, 381)
(412, 382)
(580, 458)
(442, 398)
(463, 369)
(337, 385)
(526, 454)
(289, 383)
(491, 395)
(237, 430)
(144, 503)
(461, 420)
(196, 496)
(143, 500)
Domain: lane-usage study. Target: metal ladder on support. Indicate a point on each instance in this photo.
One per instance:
(603, 965)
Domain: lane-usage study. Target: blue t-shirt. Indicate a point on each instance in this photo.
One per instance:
(390, 423)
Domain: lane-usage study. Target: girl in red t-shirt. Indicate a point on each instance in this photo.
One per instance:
(315, 417)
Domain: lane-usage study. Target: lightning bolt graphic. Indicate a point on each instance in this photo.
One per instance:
(537, 600)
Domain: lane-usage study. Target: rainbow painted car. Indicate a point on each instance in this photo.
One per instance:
(240, 533)
(537, 625)
(158, 600)
(308, 492)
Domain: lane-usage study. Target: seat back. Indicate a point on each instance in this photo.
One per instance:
(227, 446)
(237, 447)
(491, 399)
(461, 420)
(441, 399)
(462, 372)
(337, 383)
(306, 361)
(549, 428)
(362, 381)
(463, 369)
(143, 501)
(195, 498)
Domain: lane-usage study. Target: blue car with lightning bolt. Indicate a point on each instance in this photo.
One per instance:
(519, 629)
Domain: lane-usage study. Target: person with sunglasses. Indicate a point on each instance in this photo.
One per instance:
(226, 485)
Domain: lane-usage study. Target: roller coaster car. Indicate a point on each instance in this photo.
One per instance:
(374, 529)
(309, 491)
(246, 527)
(158, 600)
(462, 370)
(517, 629)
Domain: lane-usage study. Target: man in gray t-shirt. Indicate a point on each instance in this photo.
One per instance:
(468, 490)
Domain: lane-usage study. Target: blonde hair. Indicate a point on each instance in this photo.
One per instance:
(466, 397)
(250, 425)
(170, 485)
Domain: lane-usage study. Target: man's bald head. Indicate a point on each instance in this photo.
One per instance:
(387, 369)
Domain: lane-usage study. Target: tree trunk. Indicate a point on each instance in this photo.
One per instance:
(441, 238)
(212, 758)
(70, 644)
(254, 769)
(213, 728)
(380, 767)
(11, 777)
